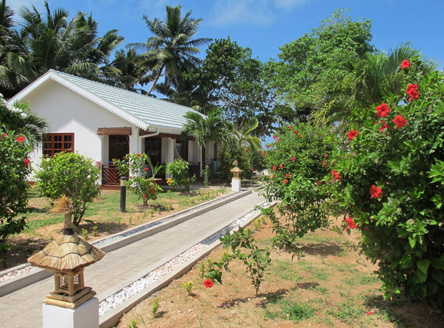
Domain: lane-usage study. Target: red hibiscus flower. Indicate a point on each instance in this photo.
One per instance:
(268, 145)
(405, 64)
(295, 132)
(412, 91)
(27, 161)
(352, 134)
(324, 163)
(383, 127)
(319, 183)
(4, 135)
(375, 192)
(290, 128)
(277, 140)
(325, 155)
(139, 155)
(20, 139)
(146, 169)
(400, 121)
(263, 154)
(281, 166)
(287, 175)
(351, 223)
(300, 136)
(293, 159)
(336, 175)
(285, 181)
(274, 167)
(208, 283)
(246, 149)
(382, 110)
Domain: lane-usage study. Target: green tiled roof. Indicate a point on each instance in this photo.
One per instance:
(153, 112)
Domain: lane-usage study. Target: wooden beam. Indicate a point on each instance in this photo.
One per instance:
(114, 131)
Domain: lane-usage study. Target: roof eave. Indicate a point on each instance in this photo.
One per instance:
(52, 75)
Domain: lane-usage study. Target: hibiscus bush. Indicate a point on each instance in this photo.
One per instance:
(391, 183)
(298, 160)
(141, 174)
(14, 169)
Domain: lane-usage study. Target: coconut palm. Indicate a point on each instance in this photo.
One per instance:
(206, 129)
(172, 48)
(372, 78)
(245, 135)
(51, 41)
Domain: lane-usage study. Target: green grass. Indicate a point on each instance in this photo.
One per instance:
(32, 225)
(347, 312)
(290, 310)
(285, 270)
(107, 207)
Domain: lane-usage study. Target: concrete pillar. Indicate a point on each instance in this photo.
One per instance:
(84, 316)
(235, 184)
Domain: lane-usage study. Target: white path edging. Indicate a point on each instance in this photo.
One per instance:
(113, 307)
(24, 275)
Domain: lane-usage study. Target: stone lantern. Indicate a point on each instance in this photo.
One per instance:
(67, 256)
(235, 181)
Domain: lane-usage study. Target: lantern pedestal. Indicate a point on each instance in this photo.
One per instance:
(235, 184)
(83, 316)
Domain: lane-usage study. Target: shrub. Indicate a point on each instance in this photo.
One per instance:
(298, 160)
(14, 169)
(135, 165)
(392, 186)
(180, 172)
(72, 175)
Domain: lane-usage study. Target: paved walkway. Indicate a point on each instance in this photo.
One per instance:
(23, 308)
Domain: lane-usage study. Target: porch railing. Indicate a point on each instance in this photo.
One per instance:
(110, 175)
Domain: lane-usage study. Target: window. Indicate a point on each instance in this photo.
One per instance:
(54, 143)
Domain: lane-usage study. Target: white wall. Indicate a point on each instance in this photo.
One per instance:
(67, 112)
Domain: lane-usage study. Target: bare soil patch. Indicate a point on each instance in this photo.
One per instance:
(331, 286)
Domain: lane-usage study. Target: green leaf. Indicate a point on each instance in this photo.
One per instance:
(438, 276)
(412, 242)
(423, 265)
(437, 263)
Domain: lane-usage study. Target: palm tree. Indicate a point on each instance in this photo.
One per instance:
(172, 48)
(22, 121)
(206, 129)
(245, 136)
(373, 78)
(52, 41)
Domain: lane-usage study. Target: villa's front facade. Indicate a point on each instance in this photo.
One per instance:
(103, 123)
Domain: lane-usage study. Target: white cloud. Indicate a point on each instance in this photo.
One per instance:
(250, 12)
(243, 12)
(289, 4)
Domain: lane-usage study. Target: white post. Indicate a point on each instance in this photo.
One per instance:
(84, 316)
(235, 184)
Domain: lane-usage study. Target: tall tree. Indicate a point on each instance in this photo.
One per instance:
(172, 49)
(309, 75)
(229, 78)
(51, 40)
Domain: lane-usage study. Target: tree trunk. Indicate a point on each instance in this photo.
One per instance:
(155, 81)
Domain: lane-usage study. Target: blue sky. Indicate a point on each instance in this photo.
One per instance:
(265, 25)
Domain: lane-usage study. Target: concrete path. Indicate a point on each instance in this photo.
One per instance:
(23, 308)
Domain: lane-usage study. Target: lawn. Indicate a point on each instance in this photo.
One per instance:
(332, 285)
(102, 218)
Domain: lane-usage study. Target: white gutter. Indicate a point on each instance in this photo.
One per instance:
(147, 136)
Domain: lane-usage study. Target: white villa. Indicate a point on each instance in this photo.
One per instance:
(103, 123)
